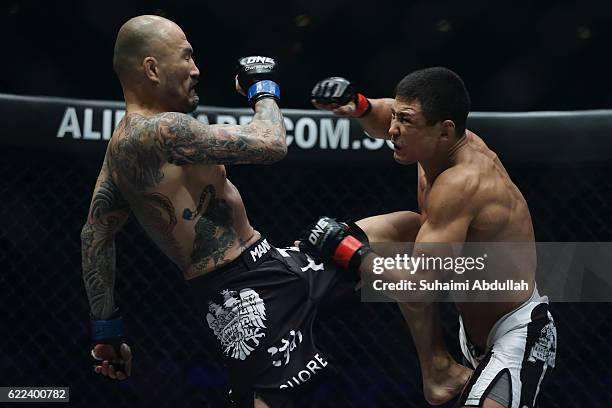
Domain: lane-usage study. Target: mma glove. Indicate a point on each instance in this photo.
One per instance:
(256, 76)
(108, 333)
(340, 91)
(328, 240)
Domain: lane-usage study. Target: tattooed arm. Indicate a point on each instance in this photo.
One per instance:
(108, 212)
(184, 140)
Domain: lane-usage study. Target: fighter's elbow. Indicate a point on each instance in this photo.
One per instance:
(276, 149)
(280, 151)
(273, 154)
(86, 231)
(91, 233)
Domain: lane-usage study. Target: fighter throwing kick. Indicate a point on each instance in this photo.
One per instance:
(464, 195)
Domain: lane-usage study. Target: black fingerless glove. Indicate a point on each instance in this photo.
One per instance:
(257, 76)
(328, 240)
(340, 91)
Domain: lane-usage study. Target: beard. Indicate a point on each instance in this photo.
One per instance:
(189, 103)
(184, 103)
(193, 102)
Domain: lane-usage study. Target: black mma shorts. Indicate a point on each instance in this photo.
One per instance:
(262, 307)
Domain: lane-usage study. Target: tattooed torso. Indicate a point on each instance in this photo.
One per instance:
(189, 209)
(167, 168)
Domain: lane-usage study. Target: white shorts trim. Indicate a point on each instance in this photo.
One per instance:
(523, 342)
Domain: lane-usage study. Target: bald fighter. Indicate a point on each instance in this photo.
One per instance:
(464, 195)
(168, 169)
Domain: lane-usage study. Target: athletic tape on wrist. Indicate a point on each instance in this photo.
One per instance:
(345, 251)
(266, 86)
(362, 106)
(106, 329)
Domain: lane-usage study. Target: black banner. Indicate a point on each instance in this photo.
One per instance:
(84, 126)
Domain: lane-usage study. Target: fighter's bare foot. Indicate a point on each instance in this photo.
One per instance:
(444, 380)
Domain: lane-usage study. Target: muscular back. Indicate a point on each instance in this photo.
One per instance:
(191, 210)
(168, 169)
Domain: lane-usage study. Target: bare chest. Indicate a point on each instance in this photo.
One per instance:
(422, 196)
(483, 224)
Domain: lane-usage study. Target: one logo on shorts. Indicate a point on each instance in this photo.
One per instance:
(545, 348)
(239, 322)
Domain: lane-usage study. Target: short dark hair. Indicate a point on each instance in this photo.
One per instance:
(442, 95)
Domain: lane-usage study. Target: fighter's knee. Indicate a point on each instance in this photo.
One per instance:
(413, 307)
(259, 403)
(410, 225)
(400, 226)
(368, 225)
(489, 403)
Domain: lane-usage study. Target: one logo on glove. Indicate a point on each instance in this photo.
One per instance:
(239, 322)
(316, 232)
(256, 60)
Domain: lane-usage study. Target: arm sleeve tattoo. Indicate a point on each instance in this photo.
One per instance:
(107, 214)
(185, 140)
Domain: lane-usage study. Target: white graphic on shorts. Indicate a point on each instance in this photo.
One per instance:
(312, 265)
(239, 322)
(288, 345)
(284, 251)
(545, 348)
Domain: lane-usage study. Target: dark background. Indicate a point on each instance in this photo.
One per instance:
(513, 55)
(44, 327)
